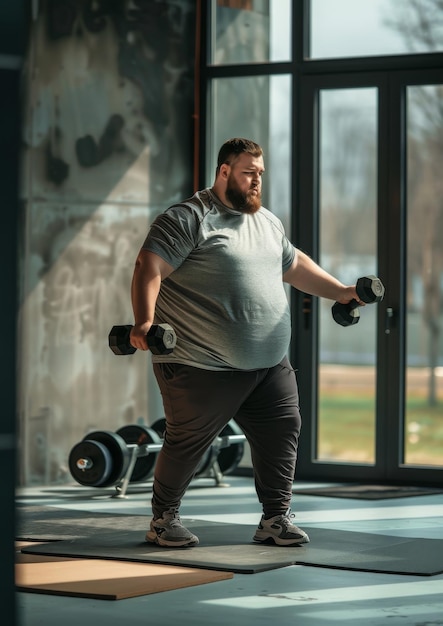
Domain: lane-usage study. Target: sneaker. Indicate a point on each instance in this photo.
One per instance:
(168, 530)
(281, 530)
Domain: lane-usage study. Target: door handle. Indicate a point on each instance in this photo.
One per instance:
(388, 319)
(307, 310)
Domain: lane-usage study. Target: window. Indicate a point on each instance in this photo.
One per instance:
(355, 28)
(255, 31)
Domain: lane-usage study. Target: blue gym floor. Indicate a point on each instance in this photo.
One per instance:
(295, 595)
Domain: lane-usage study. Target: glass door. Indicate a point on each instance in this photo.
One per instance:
(372, 391)
(347, 248)
(423, 440)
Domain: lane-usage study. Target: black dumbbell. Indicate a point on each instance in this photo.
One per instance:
(161, 339)
(369, 289)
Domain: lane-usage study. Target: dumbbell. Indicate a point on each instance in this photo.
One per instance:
(161, 339)
(369, 289)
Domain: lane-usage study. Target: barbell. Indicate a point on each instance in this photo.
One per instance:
(106, 458)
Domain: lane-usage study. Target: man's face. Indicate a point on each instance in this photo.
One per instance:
(243, 186)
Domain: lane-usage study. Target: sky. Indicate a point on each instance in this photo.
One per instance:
(353, 28)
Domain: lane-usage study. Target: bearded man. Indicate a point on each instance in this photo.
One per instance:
(214, 268)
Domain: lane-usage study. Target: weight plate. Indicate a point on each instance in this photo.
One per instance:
(90, 463)
(160, 427)
(141, 435)
(119, 453)
(118, 340)
(229, 458)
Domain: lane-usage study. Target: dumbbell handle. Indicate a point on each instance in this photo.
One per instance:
(350, 306)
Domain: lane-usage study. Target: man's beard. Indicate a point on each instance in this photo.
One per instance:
(241, 201)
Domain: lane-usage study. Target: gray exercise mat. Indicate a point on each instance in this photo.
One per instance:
(368, 492)
(50, 523)
(229, 547)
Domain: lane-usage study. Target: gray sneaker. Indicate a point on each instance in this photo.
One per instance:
(281, 531)
(168, 530)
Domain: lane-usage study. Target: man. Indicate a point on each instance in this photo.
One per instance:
(213, 267)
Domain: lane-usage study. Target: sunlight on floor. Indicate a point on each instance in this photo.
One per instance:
(346, 594)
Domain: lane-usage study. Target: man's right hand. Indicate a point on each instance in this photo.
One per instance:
(137, 336)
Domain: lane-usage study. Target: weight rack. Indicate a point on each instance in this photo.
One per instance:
(105, 458)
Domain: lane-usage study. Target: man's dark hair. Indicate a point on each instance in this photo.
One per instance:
(232, 149)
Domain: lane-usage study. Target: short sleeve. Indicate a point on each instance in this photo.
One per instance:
(173, 235)
(288, 255)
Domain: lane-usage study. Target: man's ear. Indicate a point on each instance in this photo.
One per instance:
(224, 171)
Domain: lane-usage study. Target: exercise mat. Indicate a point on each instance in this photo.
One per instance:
(229, 547)
(104, 579)
(50, 523)
(122, 536)
(368, 492)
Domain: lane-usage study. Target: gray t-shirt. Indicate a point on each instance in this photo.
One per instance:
(225, 298)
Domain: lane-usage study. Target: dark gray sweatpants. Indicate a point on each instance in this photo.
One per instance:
(198, 404)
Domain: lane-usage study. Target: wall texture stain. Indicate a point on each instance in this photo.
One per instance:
(107, 144)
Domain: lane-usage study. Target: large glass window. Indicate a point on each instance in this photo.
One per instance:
(355, 28)
(268, 124)
(348, 245)
(365, 200)
(259, 109)
(424, 382)
(250, 31)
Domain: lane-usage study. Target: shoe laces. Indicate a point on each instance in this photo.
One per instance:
(287, 518)
(173, 517)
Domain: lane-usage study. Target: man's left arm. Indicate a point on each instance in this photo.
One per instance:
(307, 276)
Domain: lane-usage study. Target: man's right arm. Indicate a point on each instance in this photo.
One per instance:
(150, 269)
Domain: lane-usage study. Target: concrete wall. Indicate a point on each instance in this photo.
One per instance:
(107, 144)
